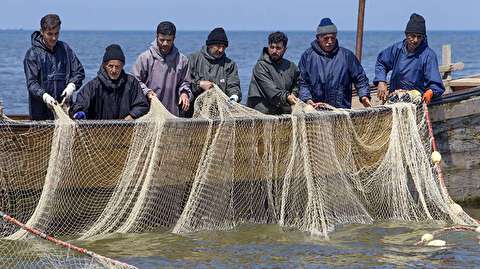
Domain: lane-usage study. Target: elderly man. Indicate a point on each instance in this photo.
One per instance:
(211, 65)
(113, 94)
(327, 71)
(413, 64)
(274, 80)
(52, 70)
(163, 71)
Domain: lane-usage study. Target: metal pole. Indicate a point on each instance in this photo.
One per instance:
(361, 14)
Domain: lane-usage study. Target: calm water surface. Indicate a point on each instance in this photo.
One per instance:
(380, 245)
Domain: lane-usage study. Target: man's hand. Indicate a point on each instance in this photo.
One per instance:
(427, 96)
(151, 94)
(184, 101)
(48, 99)
(292, 99)
(366, 101)
(80, 115)
(128, 118)
(205, 85)
(68, 91)
(382, 91)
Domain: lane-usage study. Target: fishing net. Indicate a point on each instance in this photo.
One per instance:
(313, 170)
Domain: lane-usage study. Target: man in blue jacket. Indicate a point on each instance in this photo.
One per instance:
(52, 70)
(327, 71)
(413, 64)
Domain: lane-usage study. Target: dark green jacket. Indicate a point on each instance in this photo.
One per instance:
(222, 71)
(271, 83)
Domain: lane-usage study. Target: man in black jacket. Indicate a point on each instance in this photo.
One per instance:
(273, 87)
(52, 70)
(113, 94)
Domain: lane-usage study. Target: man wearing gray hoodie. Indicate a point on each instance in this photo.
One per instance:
(163, 71)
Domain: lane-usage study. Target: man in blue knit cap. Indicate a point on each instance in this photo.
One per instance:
(413, 64)
(327, 72)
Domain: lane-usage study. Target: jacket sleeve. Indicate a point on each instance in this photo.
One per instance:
(84, 96)
(194, 78)
(264, 79)
(384, 64)
(296, 73)
(140, 72)
(433, 80)
(233, 81)
(32, 74)
(304, 83)
(359, 78)
(139, 103)
(77, 73)
(185, 79)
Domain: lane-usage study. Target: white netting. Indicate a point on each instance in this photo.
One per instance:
(311, 170)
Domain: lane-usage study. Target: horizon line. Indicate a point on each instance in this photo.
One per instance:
(238, 30)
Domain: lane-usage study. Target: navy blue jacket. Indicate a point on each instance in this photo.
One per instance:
(49, 72)
(103, 98)
(328, 77)
(417, 70)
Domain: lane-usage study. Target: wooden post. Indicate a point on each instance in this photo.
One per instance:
(447, 61)
(361, 14)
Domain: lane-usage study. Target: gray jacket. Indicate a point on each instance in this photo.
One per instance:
(222, 71)
(271, 84)
(168, 76)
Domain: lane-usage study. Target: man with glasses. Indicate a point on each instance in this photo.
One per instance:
(413, 64)
(327, 72)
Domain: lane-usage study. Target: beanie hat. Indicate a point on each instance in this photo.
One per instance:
(217, 36)
(113, 52)
(326, 26)
(416, 25)
(166, 28)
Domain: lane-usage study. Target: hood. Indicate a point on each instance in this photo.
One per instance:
(155, 51)
(37, 41)
(321, 52)
(209, 57)
(419, 50)
(108, 82)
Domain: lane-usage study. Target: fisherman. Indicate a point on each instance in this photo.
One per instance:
(273, 87)
(327, 71)
(211, 65)
(113, 94)
(52, 70)
(163, 71)
(413, 64)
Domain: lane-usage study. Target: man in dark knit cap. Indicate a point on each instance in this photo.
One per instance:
(113, 94)
(413, 64)
(327, 72)
(211, 65)
(163, 71)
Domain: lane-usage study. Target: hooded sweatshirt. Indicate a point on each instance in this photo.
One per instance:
(49, 71)
(168, 76)
(271, 84)
(417, 70)
(328, 77)
(103, 98)
(222, 71)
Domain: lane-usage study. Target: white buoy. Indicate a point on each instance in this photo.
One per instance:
(456, 208)
(437, 243)
(478, 229)
(427, 237)
(436, 157)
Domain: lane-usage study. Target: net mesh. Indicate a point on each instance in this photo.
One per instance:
(311, 170)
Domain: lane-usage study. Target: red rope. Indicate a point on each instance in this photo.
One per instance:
(59, 242)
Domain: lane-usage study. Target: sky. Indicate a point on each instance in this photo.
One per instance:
(238, 14)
